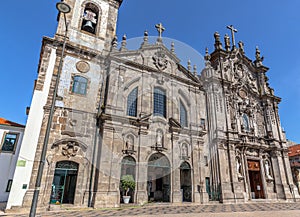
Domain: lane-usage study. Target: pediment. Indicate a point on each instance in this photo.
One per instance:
(156, 58)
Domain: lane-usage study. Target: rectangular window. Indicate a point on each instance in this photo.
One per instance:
(8, 187)
(206, 161)
(183, 116)
(159, 107)
(79, 85)
(202, 123)
(9, 142)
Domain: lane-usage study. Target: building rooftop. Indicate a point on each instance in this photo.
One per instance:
(294, 150)
(9, 123)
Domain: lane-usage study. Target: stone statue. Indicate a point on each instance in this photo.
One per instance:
(184, 150)
(297, 179)
(238, 167)
(129, 143)
(159, 139)
(268, 173)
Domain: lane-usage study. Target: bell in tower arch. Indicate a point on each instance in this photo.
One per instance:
(88, 26)
(90, 20)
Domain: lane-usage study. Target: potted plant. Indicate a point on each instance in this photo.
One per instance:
(127, 183)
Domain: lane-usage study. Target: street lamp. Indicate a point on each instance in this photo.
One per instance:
(62, 8)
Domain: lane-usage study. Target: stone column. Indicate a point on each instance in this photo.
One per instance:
(283, 191)
(107, 193)
(142, 192)
(226, 189)
(176, 188)
(294, 189)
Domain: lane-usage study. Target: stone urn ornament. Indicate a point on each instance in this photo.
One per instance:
(127, 183)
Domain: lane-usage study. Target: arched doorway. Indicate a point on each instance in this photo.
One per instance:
(186, 182)
(158, 184)
(64, 182)
(128, 168)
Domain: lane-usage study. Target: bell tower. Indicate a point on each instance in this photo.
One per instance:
(91, 23)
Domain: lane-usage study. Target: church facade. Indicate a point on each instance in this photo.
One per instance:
(183, 137)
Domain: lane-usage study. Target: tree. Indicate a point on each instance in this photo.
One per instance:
(127, 183)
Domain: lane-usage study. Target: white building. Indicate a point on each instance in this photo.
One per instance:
(11, 135)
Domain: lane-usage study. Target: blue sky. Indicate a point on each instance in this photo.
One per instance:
(272, 25)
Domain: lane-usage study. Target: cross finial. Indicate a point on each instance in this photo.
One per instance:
(160, 29)
(233, 30)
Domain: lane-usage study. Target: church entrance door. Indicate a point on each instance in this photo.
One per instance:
(186, 182)
(158, 184)
(64, 183)
(257, 191)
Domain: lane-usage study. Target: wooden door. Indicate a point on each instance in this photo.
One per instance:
(255, 180)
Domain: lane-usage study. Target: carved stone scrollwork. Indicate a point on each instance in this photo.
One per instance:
(252, 152)
(70, 150)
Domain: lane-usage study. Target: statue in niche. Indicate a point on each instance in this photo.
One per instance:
(159, 138)
(268, 172)
(238, 167)
(129, 143)
(184, 151)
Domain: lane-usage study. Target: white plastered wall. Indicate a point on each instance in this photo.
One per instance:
(32, 131)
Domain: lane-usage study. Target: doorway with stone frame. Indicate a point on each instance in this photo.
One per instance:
(186, 182)
(255, 180)
(158, 183)
(64, 183)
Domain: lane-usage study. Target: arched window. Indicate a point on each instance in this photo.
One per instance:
(159, 105)
(132, 103)
(246, 122)
(90, 18)
(183, 116)
(79, 85)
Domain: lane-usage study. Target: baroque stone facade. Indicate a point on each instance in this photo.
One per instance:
(182, 136)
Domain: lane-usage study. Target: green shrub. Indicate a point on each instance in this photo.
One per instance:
(127, 183)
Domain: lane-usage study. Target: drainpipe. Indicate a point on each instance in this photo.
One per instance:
(93, 161)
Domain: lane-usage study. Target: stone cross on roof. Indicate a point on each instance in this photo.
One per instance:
(160, 29)
(233, 30)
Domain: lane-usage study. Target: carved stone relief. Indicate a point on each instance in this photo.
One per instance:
(252, 152)
(74, 125)
(70, 149)
(160, 60)
(83, 66)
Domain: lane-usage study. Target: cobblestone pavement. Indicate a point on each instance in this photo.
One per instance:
(250, 209)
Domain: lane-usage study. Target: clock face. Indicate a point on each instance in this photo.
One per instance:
(242, 94)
